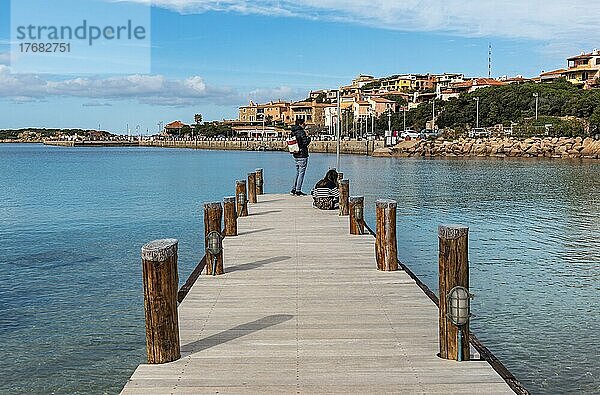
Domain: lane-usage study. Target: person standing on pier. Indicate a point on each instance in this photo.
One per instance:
(300, 157)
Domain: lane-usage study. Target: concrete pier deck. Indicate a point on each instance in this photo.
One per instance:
(302, 309)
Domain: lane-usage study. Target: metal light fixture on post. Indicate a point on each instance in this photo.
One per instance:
(536, 95)
(458, 311)
(259, 184)
(242, 201)
(260, 181)
(358, 216)
(214, 248)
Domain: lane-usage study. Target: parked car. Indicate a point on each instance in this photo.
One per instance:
(479, 132)
(430, 133)
(413, 134)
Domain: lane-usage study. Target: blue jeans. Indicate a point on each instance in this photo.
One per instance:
(301, 164)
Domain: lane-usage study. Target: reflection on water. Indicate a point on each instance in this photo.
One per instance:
(74, 219)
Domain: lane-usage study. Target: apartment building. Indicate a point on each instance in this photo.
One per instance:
(312, 112)
(583, 68)
(273, 111)
(469, 86)
(328, 94)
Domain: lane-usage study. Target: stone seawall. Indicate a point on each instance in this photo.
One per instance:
(346, 147)
(548, 147)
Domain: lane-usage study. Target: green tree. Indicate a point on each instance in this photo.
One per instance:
(399, 99)
(595, 121)
(185, 130)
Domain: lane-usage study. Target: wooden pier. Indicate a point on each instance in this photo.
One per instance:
(302, 308)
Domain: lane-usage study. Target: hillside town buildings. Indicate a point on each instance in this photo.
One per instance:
(367, 96)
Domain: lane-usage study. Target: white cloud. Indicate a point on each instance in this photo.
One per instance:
(261, 95)
(548, 21)
(4, 58)
(147, 89)
(96, 104)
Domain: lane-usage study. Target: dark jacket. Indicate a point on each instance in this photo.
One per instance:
(303, 141)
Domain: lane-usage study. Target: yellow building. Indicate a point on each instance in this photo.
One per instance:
(278, 112)
(273, 111)
(402, 83)
(248, 113)
(408, 83)
(313, 113)
(583, 68)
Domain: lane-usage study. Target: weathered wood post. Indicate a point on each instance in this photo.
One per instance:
(213, 214)
(386, 250)
(252, 187)
(344, 195)
(340, 177)
(356, 205)
(260, 182)
(159, 268)
(453, 272)
(229, 216)
(241, 198)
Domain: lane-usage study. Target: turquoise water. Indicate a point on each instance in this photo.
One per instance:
(72, 221)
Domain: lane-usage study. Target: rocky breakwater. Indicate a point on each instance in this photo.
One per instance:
(548, 147)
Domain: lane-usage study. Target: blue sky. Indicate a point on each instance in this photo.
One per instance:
(211, 56)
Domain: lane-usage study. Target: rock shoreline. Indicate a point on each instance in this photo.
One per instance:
(534, 147)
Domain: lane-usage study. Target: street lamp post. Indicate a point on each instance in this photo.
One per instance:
(372, 123)
(536, 95)
(337, 131)
(433, 116)
(477, 118)
(404, 117)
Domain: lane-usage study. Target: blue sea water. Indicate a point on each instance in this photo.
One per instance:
(73, 220)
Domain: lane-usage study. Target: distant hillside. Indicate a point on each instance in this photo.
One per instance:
(38, 134)
(571, 111)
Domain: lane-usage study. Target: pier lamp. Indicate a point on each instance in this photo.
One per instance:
(358, 213)
(458, 311)
(214, 248)
(358, 216)
(241, 198)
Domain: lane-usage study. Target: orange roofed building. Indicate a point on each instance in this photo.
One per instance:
(273, 111)
(583, 69)
(454, 90)
(174, 127)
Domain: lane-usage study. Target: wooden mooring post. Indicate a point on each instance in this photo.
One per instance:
(356, 208)
(340, 177)
(453, 272)
(252, 187)
(344, 196)
(260, 182)
(229, 216)
(386, 249)
(159, 268)
(241, 198)
(213, 214)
